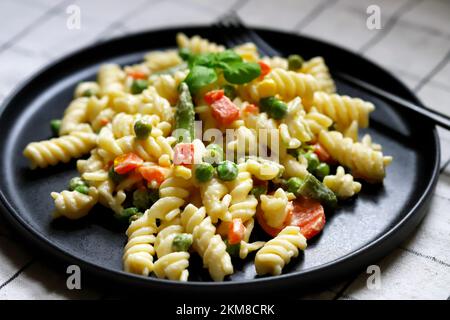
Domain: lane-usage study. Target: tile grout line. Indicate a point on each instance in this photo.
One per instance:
(30, 27)
(428, 257)
(444, 166)
(315, 12)
(433, 72)
(391, 22)
(15, 275)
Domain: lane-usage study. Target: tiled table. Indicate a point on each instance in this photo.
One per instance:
(414, 42)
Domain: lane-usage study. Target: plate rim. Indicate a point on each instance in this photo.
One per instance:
(317, 273)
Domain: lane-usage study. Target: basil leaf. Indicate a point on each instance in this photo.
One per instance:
(185, 54)
(228, 56)
(241, 72)
(200, 76)
(205, 59)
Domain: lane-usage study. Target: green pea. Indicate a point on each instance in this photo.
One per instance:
(142, 199)
(265, 104)
(114, 176)
(214, 154)
(322, 170)
(293, 184)
(204, 172)
(182, 242)
(55, 125)
(142, 129)
(126, 214)
(138, 86)
(233, 249)
(313, 161)
(257, 191)
(295, 62)
(227, 170)
(76, 182)
(184, 53)
(229, 91)
(278, 110)
(82, 189)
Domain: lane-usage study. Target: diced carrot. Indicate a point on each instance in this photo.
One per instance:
(236, 231)
(127, 162)
(213, 96)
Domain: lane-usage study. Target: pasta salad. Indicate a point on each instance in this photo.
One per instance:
(192, 148)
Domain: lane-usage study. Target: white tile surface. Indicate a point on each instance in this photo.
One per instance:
(403, 47)
(53, 38)
(167, 13)
(342, 25)
(285, 17)
(107, 11)
(442, 77)
(17, 16)
(432, 14)
(436, 97)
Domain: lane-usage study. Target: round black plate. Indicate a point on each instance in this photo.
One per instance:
(356, 234)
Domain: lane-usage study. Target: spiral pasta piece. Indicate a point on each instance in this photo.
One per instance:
(363, 161)
(139, 250)
(209, 245)
(246, 246)
(276, 62)
(75, 117)
(123, 123)
(167, 85)
(170, 264)
(111, 80)
(50, 152)
(276, 207)
(342, 184)
(343, 109)
(278, 252)
(319, 70)
(248, 51)
(73, 204)
(161, 60)
(152, 103)
(216, 200)
(243, 205)
(173, 193)
(289, 84)
(196, 44)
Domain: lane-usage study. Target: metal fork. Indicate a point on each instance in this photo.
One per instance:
(235, 32)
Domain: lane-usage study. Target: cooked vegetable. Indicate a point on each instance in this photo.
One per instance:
(55, 125)
(214, 95)
(314, 189)
(138, 86)
(114, 176)
(293, 184)
(295, 62)
(135, 74)
(313, 161)
(182, 242)
(204, 172)
(152, 174)
(143, 198)
(227, 170)
(309, 215)
(241, 72)
(224, 111)
(126, 214)
(88, 93)
(322, 170)
(185, 115)
(76, 182)
(230, 91)
(214, 154)
(233, 249)
(82, 189)
(142, 129)
(199, 77)
(236, 231)
(259, 190)
(265, 68)
(127, 162)
(323, 155)
(183, 154)
(274, 107)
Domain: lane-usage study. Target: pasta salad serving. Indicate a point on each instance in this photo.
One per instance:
(192, 148)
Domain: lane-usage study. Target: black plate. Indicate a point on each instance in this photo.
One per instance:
(356, 235)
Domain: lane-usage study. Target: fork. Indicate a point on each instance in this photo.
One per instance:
(235, 33)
